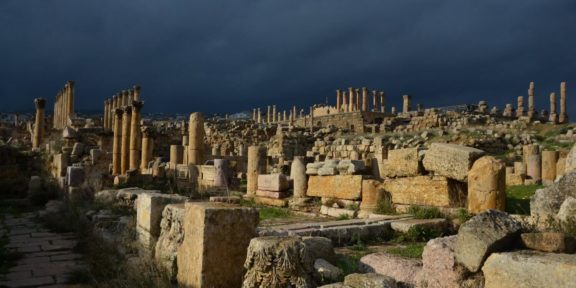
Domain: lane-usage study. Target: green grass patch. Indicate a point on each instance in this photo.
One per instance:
(425, 212)
(518, 198)
(274, 213)
(463, 215)
(418, 234)
(343, 217)
(413, 250)
(385, 207)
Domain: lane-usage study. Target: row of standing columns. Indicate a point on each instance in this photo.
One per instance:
(122, 113)
(64, 106)
(531, 113)
(273, 117)
(357, 100)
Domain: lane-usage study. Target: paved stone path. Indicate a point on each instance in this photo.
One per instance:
(47, 258)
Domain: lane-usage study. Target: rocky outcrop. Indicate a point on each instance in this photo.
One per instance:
(567, 210)
(530, 269)
(401, 269)
(485, 233)
(555, 242)
(426, 191)
(546, 202)
(570, 165)
(440, 269)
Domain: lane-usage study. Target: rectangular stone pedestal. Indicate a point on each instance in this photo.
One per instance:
(216, 239)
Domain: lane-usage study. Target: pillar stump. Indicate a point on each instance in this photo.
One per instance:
(38, 136)
(253, 170)
(549, 160)
(487, 185)
(215, 244)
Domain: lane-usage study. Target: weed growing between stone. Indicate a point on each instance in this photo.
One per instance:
(273, 213)
(518, 198)
(425, 212)
(412, 250)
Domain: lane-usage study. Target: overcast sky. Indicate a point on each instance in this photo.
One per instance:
(228, 56)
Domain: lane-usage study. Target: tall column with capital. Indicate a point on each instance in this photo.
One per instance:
(382, 102)
(147, 147)
(374, 101)
(520, 107)
(38, 136)
(364, 99)
(117, 142)
(531, 108)
(553, 118)
(338, 95)
(351, 102)
(274, 119)
(135, 141)
(344, 105)
(563, 118)
(125, 150)
(406, 104)
(269, 115)
(358, 100)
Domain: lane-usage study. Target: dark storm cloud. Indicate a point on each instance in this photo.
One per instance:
(226, 56)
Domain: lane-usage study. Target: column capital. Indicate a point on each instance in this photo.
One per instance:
(40, 103)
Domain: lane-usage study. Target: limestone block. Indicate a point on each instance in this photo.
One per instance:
(272, 194)
(451, 160)
(75, 176)
(529, 269)
(273, 182)
(312, 168)
(487, 185)
(337, 186)
(485, 233)
(403, 270)
(401, 163)
(426, 191)
(549, 242)
(214, 248)
(350, 167)
(149, 210)
(357, 280)
(271, 201)
(403, 226)
(170, 239)
(337, 212)
(570, 163)
(567, 210)
(439, 266)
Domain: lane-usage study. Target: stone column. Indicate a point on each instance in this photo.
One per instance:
(274, 119)
(549, 159)
(364, 99)
(136, 95)
(351, 102)
(344, 105)
(117, 142)
(176, 155)
(38, 136)
(135, 136)
(147, 147)
(279, 117)
(382, 102)
(54, 117)
(293, 113)
(311, 119)
(553, 115)
(268, 115)
(253, 170)
(531, 108)
(393, 110)
(105, 116)
(357, 105)
(114, 107)
(338, 95)
(254, 115)
(285, 117)
(563, 118)
(196, 138)
(406, 104)
(534, 168)
(374, 101)
(298, 174)
(259, 116)
(527, 150)
(487, 185)
(520, 108)
(71, 113)
(220, 172)
(125, 150)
